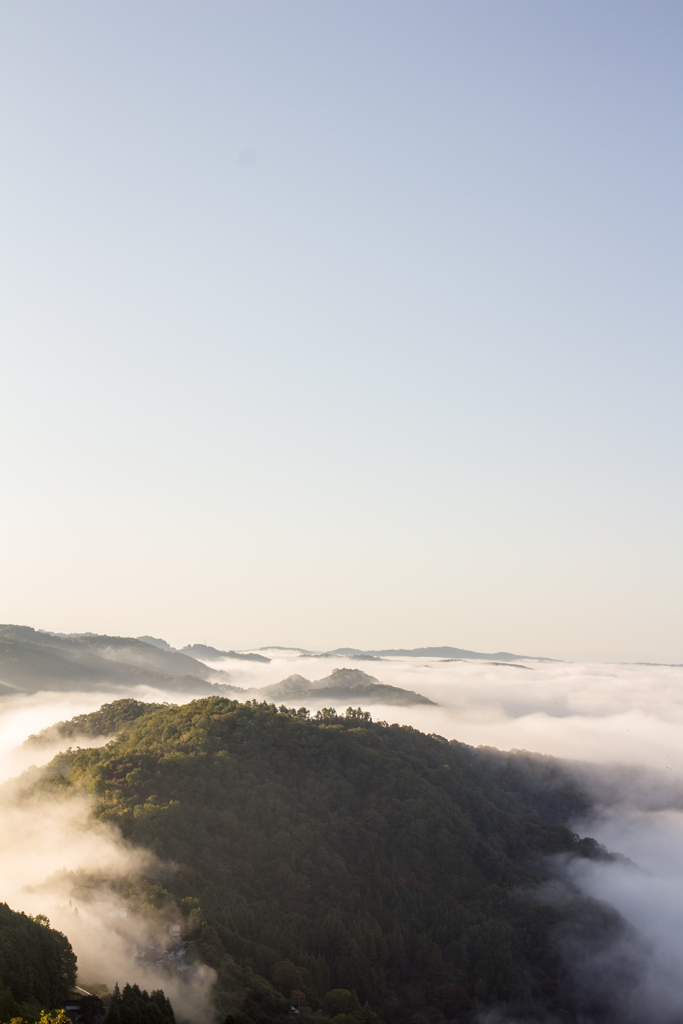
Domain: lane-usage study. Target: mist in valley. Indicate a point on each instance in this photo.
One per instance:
(346, 322)
(55, 860)
(617, 728)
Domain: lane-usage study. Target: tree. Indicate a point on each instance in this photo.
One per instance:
(358, 715)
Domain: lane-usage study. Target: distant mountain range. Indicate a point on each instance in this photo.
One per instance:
(202, 651)
(33, 660)
(437, 652)
(447, 653)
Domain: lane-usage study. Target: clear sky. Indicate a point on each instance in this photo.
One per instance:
(344, 322)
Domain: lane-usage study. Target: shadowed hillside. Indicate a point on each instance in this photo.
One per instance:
(31, 660)
(37, 965)
(371, 859)
(343, 684)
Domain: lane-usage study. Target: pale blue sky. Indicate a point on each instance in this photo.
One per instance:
(332, 323)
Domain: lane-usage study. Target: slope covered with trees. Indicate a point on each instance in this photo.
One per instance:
(106, 721)
(37, 965)
(334, 854)
(133, 1006)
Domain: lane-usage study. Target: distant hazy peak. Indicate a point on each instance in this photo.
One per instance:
(295, 650)
(439, 652)
(155, 642)
(346, 677)
(342, 684)
(292, 684)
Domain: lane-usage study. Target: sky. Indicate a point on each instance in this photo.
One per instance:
(344, 323)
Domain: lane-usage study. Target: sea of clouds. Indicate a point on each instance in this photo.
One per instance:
(601, 715)
(622, 726)
(597, 712)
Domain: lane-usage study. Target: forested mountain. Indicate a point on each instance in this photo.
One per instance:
(31, 660)
(343, 684)
(106, 721)
(37, 965)
(336, 855)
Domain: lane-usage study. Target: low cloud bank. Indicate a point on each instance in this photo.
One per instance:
(622, 724)
(649, 895)
(55, 860)
(597, 712)
(23, 715)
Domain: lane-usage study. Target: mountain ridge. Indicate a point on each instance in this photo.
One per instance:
(32, 660)
(330, 858)
(439, 652)
(358, 856)
(341, 685)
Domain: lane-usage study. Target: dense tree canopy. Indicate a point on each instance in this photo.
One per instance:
(106, 721)
(37, 965)
(338, 854)
(133, 1006)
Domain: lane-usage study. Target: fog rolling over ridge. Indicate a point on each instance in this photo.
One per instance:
(609, 738)
(75, 880)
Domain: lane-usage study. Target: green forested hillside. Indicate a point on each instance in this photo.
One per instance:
(340, 854)
(542, 783)
(37, 965)
(106, 721)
